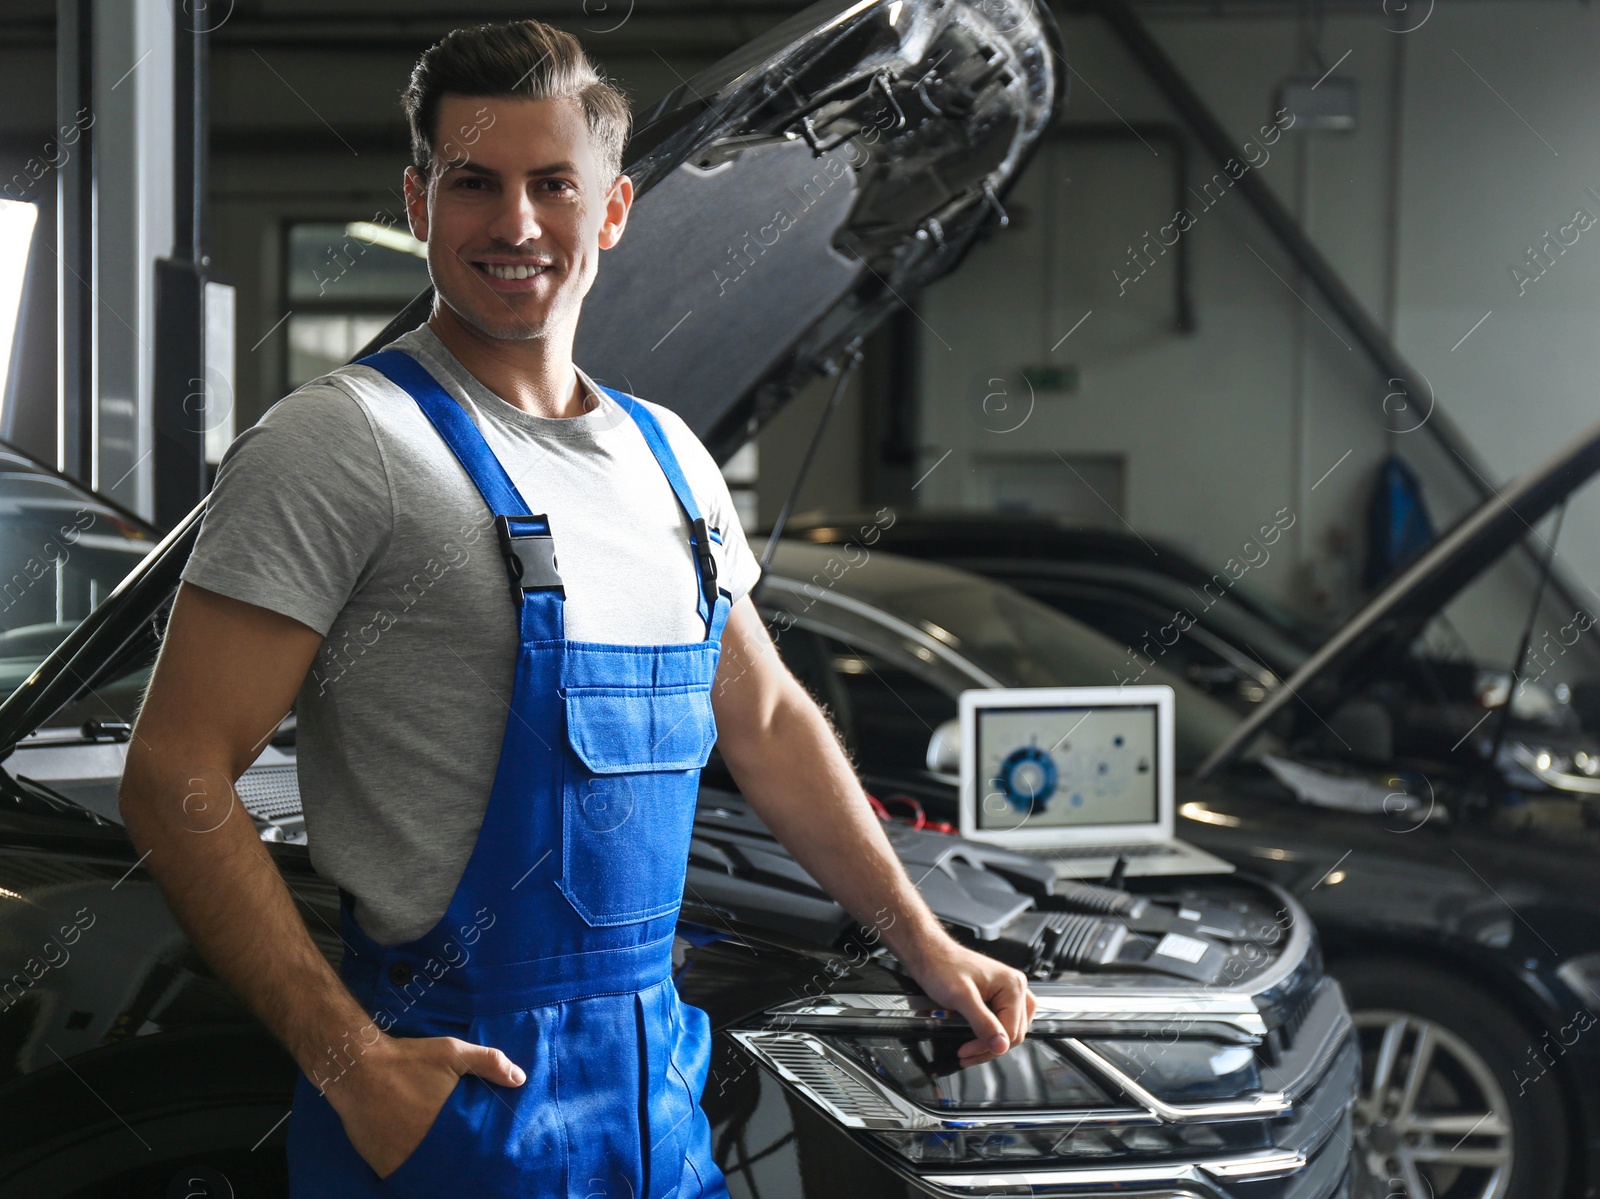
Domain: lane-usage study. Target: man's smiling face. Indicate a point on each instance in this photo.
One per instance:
(516, 213)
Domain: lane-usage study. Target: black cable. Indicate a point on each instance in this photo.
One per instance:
(852, 354)
(1527, 636)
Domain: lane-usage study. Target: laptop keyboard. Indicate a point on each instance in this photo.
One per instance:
(1097, 851)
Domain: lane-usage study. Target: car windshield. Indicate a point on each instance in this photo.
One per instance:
(1133, 606)
(1017, 641)
(1242, 627)
(62, 551)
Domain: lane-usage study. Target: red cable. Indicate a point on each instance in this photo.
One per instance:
(917, 820)
(918, 817)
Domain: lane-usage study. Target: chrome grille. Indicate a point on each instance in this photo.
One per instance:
(807, 1063)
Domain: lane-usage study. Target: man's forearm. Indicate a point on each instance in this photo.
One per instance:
(796, 776)
(228, 896)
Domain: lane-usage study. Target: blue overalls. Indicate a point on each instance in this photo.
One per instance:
(557, 944)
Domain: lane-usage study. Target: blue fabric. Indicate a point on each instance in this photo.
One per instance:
(455, 426)
(1399, 528)
(556, 946)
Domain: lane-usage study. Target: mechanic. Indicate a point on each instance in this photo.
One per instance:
(500, 780)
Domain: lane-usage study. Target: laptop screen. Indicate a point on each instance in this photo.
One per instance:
(1061, 767)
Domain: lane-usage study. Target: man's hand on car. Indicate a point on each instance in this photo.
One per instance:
(790, 766)
(993, 996)
(392, 1095)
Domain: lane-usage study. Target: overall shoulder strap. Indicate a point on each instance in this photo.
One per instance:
(713, 601)
(455, 426)
(656, 437)
(524, 537)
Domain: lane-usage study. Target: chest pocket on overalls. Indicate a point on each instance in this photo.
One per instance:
(629, 788)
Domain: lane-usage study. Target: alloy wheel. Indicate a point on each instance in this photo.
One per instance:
(1430, 1119)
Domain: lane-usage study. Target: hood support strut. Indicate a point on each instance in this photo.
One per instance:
(852, 355)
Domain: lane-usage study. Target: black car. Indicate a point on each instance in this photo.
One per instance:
(1442, 752)
(1142, 592)
(1428, 783)
(128, 1069)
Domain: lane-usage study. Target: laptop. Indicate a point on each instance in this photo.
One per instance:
(1077, 776)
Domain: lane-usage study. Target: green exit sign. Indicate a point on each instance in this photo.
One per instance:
(1060, 379)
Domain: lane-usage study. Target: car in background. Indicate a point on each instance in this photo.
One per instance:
(1427, 783)
(128, 1069)
(62, 550)
(1443, 752)
(1144, 593)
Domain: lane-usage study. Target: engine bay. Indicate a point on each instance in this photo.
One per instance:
(1213, 931)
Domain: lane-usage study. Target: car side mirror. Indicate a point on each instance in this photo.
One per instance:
(944, 749)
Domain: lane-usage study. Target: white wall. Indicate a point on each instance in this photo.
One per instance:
(1484, 179)
(1424, 209)
(1223, 427)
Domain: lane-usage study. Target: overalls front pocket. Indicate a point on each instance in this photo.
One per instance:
(629, 788)
(446, 1149)
(488, 1139)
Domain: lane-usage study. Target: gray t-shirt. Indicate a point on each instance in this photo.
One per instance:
(344, 509)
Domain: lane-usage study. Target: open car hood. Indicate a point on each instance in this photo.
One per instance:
(788, 198)
(1391, 620)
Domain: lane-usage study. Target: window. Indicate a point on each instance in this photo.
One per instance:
(344, 282)
(884, 714)
(17, 221)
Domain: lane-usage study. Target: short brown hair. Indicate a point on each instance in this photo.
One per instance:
(515, 58)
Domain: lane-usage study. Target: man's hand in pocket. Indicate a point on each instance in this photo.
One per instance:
(393, 1093)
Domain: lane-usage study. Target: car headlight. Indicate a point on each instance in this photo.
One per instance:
(1038, 1103)
(1185, 1071)
(1557, 769)
(1124, 1092)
